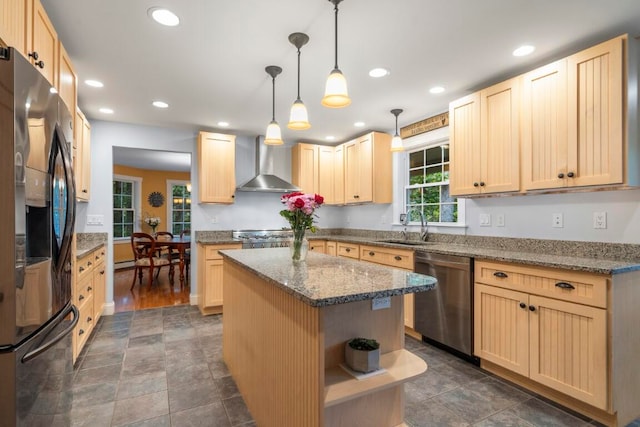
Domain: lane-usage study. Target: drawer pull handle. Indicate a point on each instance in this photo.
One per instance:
(347, 250)
(89, 288)
(81, 269)
(564, 285)
(523, 305)
(81, 332)
(371, 253)
(89, 319)
(501, 274)
(81, 297)
(89, 263)
(102, 272)
(397, 258)
(532, 308)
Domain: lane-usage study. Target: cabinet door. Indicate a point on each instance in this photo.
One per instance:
(501, 327)
(43, 41)
(464, 134)
(338, 175)
(304, 167)
(99, 284)
(213, 283)
(85, 159)
(13, 24)
(216, 167)
(351, 172)
(409, 310)
(500, 137)
(365, 169)
(67, 80)
(569, 349)
(331, 248)
(326, 174)
(544, 127)
(596, 122)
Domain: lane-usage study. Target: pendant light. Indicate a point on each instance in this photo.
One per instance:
(298, 118)
(335, 94)
(396, 142)
(273, 135)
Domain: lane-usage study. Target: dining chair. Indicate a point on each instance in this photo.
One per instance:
(187, 253)
(163, 235)
(144, 250)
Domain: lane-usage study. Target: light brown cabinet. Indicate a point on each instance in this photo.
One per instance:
(331, 248)
(305, 167)
(368, 169)
(210, 297)
(559, 333)
(338, 175)
(82, 161)
(88, 295)
(67, 80)
(485, 141)
(318, 246)
(216, 168)
(13, 19)
(327, 174)
(42, 42)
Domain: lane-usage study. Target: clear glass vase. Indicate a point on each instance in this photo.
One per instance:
(299, 246)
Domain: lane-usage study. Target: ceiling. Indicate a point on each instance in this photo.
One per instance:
(210, 68)
(156, 160)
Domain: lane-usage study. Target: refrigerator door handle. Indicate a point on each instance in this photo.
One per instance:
(38, 351)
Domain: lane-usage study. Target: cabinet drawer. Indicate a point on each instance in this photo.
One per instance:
(348, 250)
(84, 266)
(99, 255)
(211, 251)
(84, 291)
(392, 257)
(317, 246)
(85, 322)
(573, 286)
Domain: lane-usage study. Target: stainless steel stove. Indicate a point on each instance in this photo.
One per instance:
(252, 239)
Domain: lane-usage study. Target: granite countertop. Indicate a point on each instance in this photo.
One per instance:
(89, 242)
(86, 248)
(324, 280)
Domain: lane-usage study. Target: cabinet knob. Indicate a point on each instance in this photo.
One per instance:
(33, 55)
(532, 308)
(81, 297)
(523, 305)
(371, 253)
(81, 332)
(89, 263)
(102, 272)
(397, 258)
(81, 269)
(84, 190)
(89, 319)
(560, 175)
(89, 288)
(233, 196)
(564, 285)
(571, 175)
(347, 250)
(481, 183)
(501, 274)
(39, 64)
(475, 184)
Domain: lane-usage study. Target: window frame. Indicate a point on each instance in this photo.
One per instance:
(170, 184)
(137, 187)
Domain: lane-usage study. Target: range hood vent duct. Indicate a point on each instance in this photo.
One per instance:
(265, 180)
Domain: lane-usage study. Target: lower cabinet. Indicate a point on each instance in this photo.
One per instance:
(317, 246)
(331, 248)
(88, 295)
(554, 332)
(210, 277)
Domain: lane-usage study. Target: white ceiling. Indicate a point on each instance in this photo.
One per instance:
(156, 160)
(211, 67)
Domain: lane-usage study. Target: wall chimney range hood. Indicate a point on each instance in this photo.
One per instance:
(265, 179)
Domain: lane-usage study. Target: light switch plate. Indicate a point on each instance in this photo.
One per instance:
(485, 220)
(95, 219)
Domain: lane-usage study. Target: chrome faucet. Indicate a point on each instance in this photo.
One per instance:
(423, 223)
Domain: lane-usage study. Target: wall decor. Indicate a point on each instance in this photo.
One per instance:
(155, 199)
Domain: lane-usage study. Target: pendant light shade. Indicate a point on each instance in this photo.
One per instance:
(396, 141)
(298, 118)
(273, 136)
(336, 94)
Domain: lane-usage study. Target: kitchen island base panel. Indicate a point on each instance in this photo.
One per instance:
(280, 351)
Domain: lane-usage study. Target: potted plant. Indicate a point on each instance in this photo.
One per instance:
(362, 354)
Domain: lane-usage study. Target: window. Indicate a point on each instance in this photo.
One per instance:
(427, 190)
(180, 208)
(123, 208)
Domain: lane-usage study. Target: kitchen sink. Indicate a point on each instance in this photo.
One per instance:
(405, 242)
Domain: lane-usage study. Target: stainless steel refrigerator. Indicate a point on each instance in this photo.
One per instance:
(37, 209)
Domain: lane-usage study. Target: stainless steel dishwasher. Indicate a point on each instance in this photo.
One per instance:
(445, 315)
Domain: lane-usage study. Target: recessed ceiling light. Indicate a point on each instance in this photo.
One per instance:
(436, 89)
(223, 124)
(359, 124)
(160, 104)
(330, 137)
(106, 110)
(524, 50)
(93, 83)
(163, 16)
(379, 72)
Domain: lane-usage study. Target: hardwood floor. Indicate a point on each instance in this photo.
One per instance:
(162, 293)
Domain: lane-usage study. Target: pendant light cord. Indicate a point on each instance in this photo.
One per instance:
(396, 125)
(336, 33)
(298, 74)
(273, 99)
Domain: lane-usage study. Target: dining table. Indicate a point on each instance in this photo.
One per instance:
(179, 244)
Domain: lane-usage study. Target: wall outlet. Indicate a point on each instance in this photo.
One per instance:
(485, 220)
(557, 220)
(599, 220)
(380, 303)
(500, 220)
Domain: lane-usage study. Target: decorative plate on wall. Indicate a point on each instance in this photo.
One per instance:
(155, 199)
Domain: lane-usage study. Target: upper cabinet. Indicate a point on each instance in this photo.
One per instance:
(82, 160)
(367, 169)
(327, 181)
(304, 167)
(13, 19)
(216, 167)
(574, 126)
(485, 141)
(42, 42)
(67, 83)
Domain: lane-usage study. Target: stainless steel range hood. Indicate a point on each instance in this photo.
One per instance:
(265, 179)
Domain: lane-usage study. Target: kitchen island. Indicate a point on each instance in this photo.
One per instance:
(285, 328)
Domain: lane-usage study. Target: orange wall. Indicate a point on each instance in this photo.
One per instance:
(152, 180)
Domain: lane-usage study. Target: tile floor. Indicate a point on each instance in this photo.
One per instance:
(163, 367)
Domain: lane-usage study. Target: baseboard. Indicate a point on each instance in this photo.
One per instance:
(108, 309)
(123, 265)
(193, 299)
